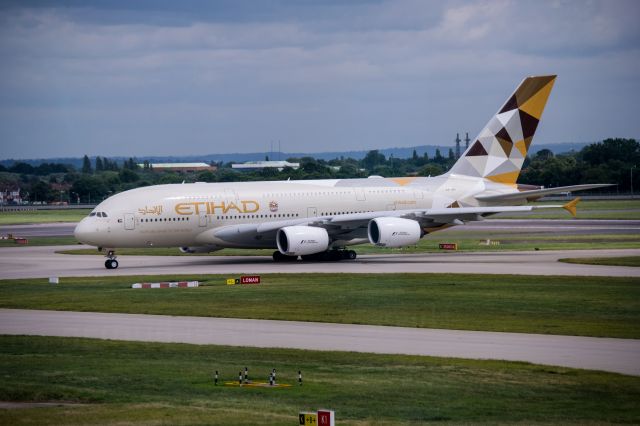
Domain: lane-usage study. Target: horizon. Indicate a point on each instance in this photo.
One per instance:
(126, 79)
(421, 149)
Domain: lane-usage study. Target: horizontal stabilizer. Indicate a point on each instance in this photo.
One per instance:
(537, 193)
(571, 206)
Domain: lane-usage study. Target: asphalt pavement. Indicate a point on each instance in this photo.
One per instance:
(615, 355)
(44, 261)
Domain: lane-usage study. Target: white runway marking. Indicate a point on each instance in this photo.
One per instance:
(615, 355)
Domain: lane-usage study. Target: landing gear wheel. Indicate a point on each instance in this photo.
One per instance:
(351, 255)
(111, 264)
(279, 257)
(334, 256)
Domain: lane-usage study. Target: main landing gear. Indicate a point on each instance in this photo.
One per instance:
(111, 262)
(279, 257)
(325, 256)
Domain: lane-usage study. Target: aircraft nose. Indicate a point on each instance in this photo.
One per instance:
(85, 230)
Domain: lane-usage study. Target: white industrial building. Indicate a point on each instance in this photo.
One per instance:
(260, 165)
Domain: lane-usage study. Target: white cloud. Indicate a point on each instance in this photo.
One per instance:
(451, 63)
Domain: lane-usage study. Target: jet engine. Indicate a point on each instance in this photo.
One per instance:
(393, 232)
(302, 240)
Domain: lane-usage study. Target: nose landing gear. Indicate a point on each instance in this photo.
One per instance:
(111, 262)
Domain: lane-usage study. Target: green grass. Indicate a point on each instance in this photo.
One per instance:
(152, 383)
(587, 209)
(612, 261)
(587, 306)
(42, 216)
(41, 241)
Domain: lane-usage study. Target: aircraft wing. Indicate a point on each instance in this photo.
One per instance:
(341, 224)
(537, 193)
(454, 215)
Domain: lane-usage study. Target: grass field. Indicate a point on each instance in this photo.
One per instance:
(41, 241)
(153, 384)
(42, 216)
(587, 209)
(587, 306)
(612, 261)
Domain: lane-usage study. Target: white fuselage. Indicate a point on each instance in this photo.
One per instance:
(187, 215)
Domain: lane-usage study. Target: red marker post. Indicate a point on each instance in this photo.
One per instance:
(326, 418)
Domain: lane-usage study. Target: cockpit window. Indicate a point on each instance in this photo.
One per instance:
(104, 214)
(92, 214)
(99, 214)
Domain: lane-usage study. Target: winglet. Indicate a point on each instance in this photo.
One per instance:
(571, 206)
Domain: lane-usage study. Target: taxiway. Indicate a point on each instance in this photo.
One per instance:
(44, 261)
(615, 355)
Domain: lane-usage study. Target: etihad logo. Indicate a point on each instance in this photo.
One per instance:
(212, 207)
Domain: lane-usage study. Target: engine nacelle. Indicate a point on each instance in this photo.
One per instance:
(302, 240)
(393, 232)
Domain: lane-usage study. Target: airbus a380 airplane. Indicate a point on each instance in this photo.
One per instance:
(317, 219)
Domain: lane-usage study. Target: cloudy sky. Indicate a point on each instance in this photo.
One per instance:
(163, 77)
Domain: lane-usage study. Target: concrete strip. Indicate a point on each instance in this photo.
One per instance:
(42, 262)
(614, 355)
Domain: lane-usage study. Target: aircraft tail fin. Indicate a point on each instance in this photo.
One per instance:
(501, 147)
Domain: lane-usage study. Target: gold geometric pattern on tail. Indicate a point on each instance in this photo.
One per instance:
(501, 147)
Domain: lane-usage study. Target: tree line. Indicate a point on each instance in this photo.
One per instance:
(608, 161)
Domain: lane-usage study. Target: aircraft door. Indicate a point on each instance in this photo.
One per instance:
(202, 219)
(129, 221)
(360, 194)
(312, 211)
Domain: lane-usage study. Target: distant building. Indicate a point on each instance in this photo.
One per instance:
(180, 167)
(260, 165)
(10, 196)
